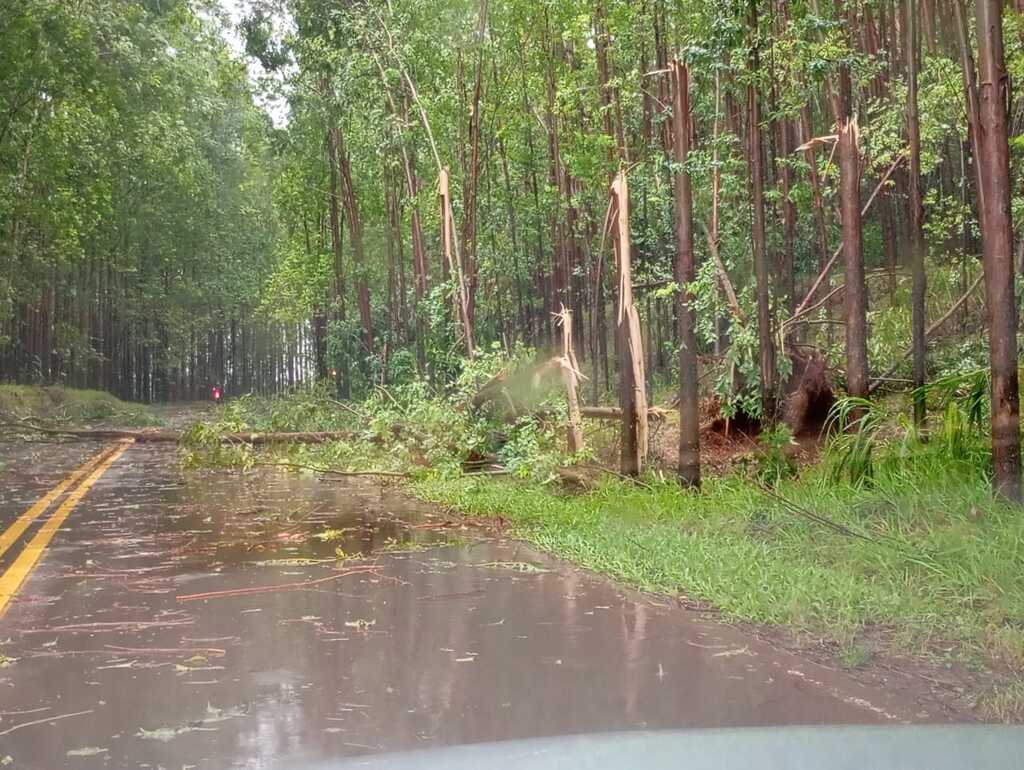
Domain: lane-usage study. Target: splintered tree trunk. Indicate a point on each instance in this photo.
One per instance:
(632, 385)
(689, 407)
(917, 242)
(997, 249)
(853, 259)
(761, 274)
(452, 260)
(570, 374)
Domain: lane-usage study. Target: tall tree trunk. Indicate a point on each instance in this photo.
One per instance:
(761, 273)
(997, 249)
(469, 236)
(342, 375)
(689, 406)
(917, 242)
(355, 227)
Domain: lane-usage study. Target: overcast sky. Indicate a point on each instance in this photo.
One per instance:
(274, 104)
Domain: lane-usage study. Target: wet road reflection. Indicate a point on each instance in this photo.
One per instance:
(415, 634)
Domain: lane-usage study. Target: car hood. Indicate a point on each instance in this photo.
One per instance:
(935, 747)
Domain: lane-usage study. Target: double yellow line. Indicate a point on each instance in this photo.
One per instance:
(12, 579)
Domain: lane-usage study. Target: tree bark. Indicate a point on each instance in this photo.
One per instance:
(853, 260)
(341, 378)
(997, 249)
(689, 406)
(355, 226)
(917, 242)
(469, 236)
(765, 340)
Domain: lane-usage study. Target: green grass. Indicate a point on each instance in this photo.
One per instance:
(55, 404)
(941, 576)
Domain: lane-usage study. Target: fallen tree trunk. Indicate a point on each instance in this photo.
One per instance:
(171, 436)
(615, 413)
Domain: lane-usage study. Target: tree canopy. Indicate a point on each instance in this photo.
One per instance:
(441, 186)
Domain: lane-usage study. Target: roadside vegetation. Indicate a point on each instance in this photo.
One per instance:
(55, 406)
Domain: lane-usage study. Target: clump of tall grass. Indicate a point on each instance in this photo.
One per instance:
(863, 434)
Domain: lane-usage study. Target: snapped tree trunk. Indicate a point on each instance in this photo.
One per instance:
(689, 406)
(853, 260)
(632, 385)
(570, 375)
(453, 262)
(997, 249)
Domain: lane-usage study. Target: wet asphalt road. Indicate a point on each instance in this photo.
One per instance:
(423, 635)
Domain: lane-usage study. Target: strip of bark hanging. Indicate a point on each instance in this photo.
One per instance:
(570, 372)
(880, 380)
(632, 379)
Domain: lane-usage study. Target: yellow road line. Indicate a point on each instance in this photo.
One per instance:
(13, 532)
(12, 579)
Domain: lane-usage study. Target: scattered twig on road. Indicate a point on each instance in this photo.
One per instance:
(113, 625)
(10, 730)
(110, 650)
(371, 569)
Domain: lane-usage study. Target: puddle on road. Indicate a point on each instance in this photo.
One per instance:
(338, 619)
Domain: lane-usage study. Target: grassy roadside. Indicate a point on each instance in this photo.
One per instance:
(53, 404)
(939, 575)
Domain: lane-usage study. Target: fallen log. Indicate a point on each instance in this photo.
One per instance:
(615, 412)
(173, 437)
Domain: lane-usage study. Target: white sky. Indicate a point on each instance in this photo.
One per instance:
(267, 87)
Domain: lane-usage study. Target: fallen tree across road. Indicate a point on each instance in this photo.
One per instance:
(173, 436)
